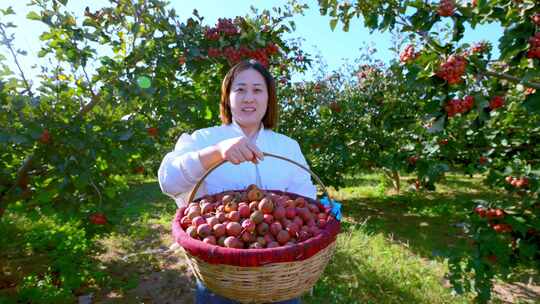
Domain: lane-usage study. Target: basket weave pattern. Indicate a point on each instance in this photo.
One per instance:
(263, 284)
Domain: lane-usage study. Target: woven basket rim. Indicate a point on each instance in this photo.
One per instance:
(215, 254)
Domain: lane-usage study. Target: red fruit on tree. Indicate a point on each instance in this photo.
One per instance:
(98, 218)
(446, 8)
(45, 137)
(408, 54)
(536, 19)
(412, 160)
(480, 211)
(152, 131)
(452, 69)
(483, 160)
(502, 228)
(335, 107)
(496, 102)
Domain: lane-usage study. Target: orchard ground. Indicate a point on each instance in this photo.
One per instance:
(393, 248)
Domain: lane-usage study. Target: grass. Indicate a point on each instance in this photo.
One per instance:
(393, 248)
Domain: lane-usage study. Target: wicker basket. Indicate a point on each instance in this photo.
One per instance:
(290, 272)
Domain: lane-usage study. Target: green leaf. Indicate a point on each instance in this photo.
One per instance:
(33, 16)
(532, 102)
(333, 24)
(208, 113)
(144, 82)
(126, 135)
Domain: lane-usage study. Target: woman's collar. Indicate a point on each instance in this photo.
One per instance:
(237, 128)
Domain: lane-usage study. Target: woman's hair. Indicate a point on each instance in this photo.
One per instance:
(270, 117)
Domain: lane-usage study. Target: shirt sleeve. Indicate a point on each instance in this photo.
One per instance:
(181, 169)
(300, 178)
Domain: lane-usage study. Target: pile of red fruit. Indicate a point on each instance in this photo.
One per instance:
(408, 54)
(521, 182)
(253, 219)
(446, 8)
(534, 46)
(456, 105)
(452, 69)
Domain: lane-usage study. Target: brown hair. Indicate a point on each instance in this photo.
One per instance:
(271, 116)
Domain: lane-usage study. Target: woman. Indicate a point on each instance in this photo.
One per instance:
(249, 112)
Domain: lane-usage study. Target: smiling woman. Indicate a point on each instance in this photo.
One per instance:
(249, 112)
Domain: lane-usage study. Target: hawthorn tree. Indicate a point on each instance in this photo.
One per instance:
(482, 112)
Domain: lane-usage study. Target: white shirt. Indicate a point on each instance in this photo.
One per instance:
(181, 169)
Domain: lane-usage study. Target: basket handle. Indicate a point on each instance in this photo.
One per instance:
(194, 191)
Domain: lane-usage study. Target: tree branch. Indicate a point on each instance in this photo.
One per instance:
(8, 44)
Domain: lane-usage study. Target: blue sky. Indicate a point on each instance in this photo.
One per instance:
(313, 28)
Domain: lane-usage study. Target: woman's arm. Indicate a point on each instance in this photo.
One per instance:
(236, 150)
(181, 169)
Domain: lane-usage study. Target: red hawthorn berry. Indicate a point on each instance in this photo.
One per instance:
(480, 211)
(496, 102)
(482, 160)
(152, 131)
(529, 91)
(335, 107)
(452, 69)
(45, 137)
(272, 49)
(213, 52)
(536, 19)
(522, 182)
(492, 259)
(534, 46)
(446, 8)
(23, 181)
(139, 170)
(502, 228)
(98, 218)
(468, 103)
(479, 47)
(412, 160)
(408, 54)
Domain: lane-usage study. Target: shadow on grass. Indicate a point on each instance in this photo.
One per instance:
(429, 224)
(138, 281)
(348, 280)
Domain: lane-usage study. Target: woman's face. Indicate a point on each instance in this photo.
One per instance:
(248, 98)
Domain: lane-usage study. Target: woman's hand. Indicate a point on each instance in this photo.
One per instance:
(238, 150)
